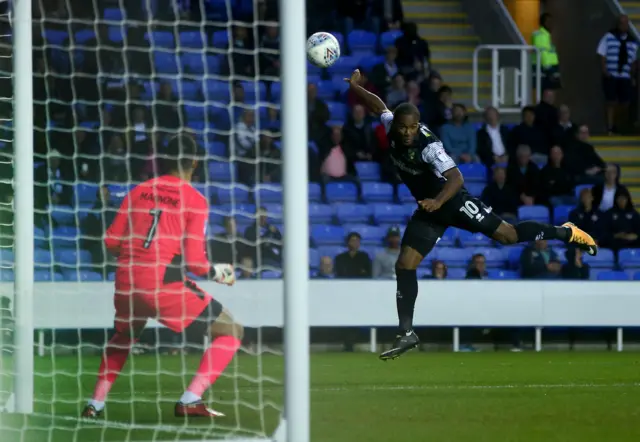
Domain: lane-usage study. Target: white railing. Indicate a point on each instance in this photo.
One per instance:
(522, 78)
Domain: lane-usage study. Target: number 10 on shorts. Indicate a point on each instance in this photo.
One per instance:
(472, 210)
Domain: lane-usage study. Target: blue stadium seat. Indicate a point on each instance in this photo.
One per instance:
(612, 275)
(389, 38)
(330, 251)
(455, 274)
(314, 259)
(370, 235)
(84, 35)
(468, 239)
(216, 90)
(340, 37)
(475, 189)
(233, 193)
(82, 276)
(114, 14)
(321, 213)
(604, 259)
(220, 39)
(314, 70)
(63, 215)
(165, 62)
(315, 192)
(353, 213)
(214, 230)
(326, 91)
(453, 257)
(42, 257)
(220, 171)
(254, 91)
(629, 258)
(368, 170)
(494, 257)
(6, 257)
(189, 91)
(328, 234)
(636, 276)
(196, 112)
(423, 273)
(404, 195)
(449, 237)
(197, 126)
(377, 192)
(193, 39)
(337, 110)
(359, 40)
(205, 189)
(86, 193)
(367, 63)
(344, 66)
(274, 212)
(513, 255)
(271, 274)
(474, 172)
(47, 276)
(535, 213)
(6, 275)
(341, 192)
(216, 149)
(72, 258)
(503, 274)
(314, 79)
(388, 213)
(40, 238)
(561, 214)
(160, 39)
(268, 193)
(340, 85)
(55, 37)
(116, 34)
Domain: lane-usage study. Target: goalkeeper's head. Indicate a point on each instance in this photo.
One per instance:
(181, 156)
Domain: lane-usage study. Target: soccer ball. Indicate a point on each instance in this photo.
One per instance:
(323, 49)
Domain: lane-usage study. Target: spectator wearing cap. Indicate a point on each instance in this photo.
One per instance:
(366, 83)
(353, 263)
(384, 264)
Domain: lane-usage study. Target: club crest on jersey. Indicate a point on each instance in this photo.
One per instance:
(412, 155)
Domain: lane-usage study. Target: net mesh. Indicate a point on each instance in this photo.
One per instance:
(113, 81)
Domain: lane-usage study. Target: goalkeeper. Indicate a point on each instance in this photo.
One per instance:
(159, 229)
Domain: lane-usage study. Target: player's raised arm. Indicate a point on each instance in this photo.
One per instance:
(371, 101)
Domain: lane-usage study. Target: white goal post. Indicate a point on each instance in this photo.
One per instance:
(203, 72)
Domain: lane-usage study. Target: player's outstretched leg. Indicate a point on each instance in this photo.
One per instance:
(526, 231)
(406, 295)
(226, 337)
(113, 359)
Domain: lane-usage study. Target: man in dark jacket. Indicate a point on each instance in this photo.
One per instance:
(587, 216)
(524, 176)
(538, 261)
(265, 241)
(556, 182)
(359, 136)
(528, 133)
(353, 263)
(575, 268)
(582, 159)
(501, 197)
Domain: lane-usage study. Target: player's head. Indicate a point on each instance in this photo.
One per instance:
(181, 155)
(406, 123)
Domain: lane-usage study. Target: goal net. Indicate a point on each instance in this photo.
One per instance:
(114, 80)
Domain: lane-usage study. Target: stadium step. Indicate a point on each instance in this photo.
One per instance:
(429, 30)
(412, 8)
(624, 151)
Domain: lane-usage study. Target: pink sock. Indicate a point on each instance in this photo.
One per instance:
(113, 359)
(214, 361)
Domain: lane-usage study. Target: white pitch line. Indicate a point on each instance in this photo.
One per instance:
(388, 388)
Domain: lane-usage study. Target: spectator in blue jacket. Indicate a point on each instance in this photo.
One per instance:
(459, 136)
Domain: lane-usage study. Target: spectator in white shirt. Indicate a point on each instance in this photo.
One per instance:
(246, 134)
(492, 139)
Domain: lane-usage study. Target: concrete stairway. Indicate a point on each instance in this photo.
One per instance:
(624, 151)
(452, 41)
(632, 8)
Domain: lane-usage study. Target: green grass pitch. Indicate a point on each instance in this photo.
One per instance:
(439, 397)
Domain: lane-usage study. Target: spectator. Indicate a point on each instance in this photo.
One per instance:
(618, 51)
(318, 113)
(429, 93)
(114, 163)
(604, 193)
(353, 263)
(269, 163)
(336, 159)
(524, 176)
(564, 131)
(247, 268)
(582, 159)
(140, 136)
(165, 110)
(265, 241)
(358, 14)
(538, 261)
(556, 182)
(542, 40)
(442, 111)
(547, 115)
(384, 264)
(459, 136)
(477, 267)
(587, 216)
(246, 134)
(622, 223)
(366, 83)
(93, 228)
(226, 247)
(48, 187)
(438, 270)
(528, 133)
(411, 47)
(326, 268)
(384, 73)
(492, 139)
(413, 96)
(391, 11)
(575, 268)
(359, 135)
(270, 52)
(397, 93)
(501, 197)
(242, 59)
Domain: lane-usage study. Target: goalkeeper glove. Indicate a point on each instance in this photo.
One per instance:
(223, 274)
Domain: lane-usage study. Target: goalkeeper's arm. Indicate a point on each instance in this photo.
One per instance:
(371, 101)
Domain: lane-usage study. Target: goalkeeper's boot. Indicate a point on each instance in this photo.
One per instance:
(195, 409)
(404, 342)
(90, 412)
(581, 239)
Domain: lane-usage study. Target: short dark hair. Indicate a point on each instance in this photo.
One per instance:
(543, 19)
(406, 109)
(528, 109)
(181, 151)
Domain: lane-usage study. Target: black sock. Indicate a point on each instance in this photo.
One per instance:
(534, 230)
(406, 295)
